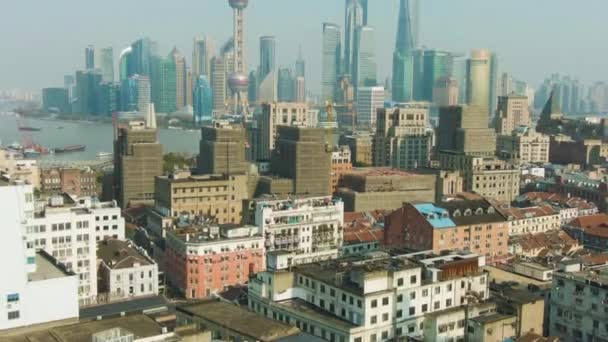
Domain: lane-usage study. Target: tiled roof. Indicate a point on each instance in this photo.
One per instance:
(556, 239)
(591, 221)
(117, 254)
(525, 213)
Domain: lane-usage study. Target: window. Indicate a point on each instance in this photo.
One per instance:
(437, 305)
(13, 297)
(399, 298)
(412, 295)
(373, 338)
(412, 310)
(400, 282)
(384, 317)
(399, 313)
(425, 307)
(384, 335)
(13, 315)
(425, 293)
(373, 319)
(449, 287)
(448, 302)
(413, 279)
(437, 290)
(385, 301)
(374, 303)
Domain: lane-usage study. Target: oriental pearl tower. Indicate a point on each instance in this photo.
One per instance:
(239, 81)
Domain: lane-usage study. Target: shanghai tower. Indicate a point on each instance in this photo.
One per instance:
(403, 66)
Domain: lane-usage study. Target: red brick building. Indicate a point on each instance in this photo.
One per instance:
(77, 182)
(459, 224)
(201, 260)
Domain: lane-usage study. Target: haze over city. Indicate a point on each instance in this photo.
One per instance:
(532, 38)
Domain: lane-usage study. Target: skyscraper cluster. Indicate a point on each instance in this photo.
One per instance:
(572, 96)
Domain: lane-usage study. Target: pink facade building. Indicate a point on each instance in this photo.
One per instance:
(208, 259)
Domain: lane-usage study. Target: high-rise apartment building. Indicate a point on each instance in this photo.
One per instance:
(459, 72)
(369, 99)
(364, 69)
(512, 112)
(180, 77)
(402, 140)
(222, 150)
(202, 100)
(108, 98)
(407, 40)
(267, 56)
(277, 114)
(87, 90)
(164, 84)
(89, 57)
(436, 65)
(218, 84)
(300, 155)
(202, 53)
(332, 57)
(138, 158)
(355, 16)
(479, 80)
(106, 64)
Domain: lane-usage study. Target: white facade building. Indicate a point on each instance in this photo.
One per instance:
(125, 271)
(33, 289)
(69, 230)
(532, 220)
(369, 99)
(300, 230)
(367, 299)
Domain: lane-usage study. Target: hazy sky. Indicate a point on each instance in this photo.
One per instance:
(41, 40)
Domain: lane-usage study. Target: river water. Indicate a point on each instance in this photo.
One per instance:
(96, 136)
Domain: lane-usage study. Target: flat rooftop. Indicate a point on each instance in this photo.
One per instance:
(337, 272)
(46, 269)
(140, 325)
(496, 317)
(312, 312)
(239, 320)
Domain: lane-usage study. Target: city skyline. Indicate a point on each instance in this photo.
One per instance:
(577, 58)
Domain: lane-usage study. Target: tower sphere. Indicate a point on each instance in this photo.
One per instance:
(238, 4)
(238, 82)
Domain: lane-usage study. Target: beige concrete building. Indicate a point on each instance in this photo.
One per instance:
(361, 148)
(448, 183)
(531, 220)
(222, 149)
(465, 129)
(524, 146)
(402, 140)
(279, 114)
(492, 328)
(369, 189)
(77, 182)
(138, 158)
(512, 112)
(215, 197)
(301, 156)
(479, 73)
(488, 177)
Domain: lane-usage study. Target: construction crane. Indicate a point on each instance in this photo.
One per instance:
(27, 138)
(329, 110)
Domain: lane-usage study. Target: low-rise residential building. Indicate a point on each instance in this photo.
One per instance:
(458, 224)
(486, 176)
(340, 164)
(368, 189)
(300, 229)
(531, 220)
(568, 207)
(125, 271)
(203, 259)
(578, 305)
(556, 242)
(492, 328)
(590, 231)
(15, 167)
(373, 298)
(527, 306)
(524, 146)
(217, 198)
(35, 288)
(73, 181)
(575, 184)
(69, 229)
(363, 232)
